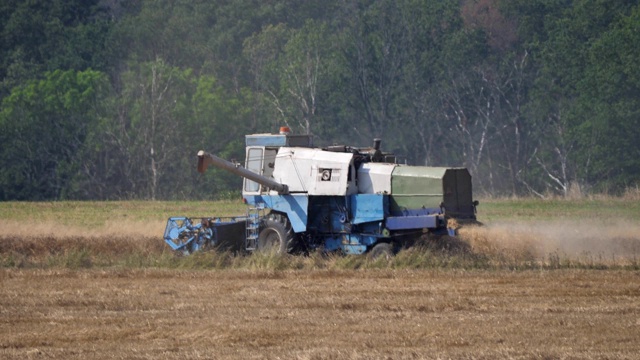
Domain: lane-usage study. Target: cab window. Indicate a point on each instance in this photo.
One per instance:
(254, 163)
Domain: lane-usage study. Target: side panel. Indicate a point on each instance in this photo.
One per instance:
(375, 178)
(416, 187)
(368, 207)
(413, 222)
(295, 206)
(313, 171)
(231, 236)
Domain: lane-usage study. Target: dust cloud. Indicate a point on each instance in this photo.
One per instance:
(604, 242)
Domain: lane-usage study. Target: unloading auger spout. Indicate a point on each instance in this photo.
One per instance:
(205, 159)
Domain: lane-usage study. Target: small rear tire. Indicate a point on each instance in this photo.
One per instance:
(381, 251)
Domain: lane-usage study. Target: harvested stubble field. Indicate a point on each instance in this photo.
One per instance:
(94, 280)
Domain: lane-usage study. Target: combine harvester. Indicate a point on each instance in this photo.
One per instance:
(338, 198)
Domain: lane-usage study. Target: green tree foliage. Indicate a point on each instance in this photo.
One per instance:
(43, 128)
(109, 99)
(165, 114)
(572, 107)
(288, 65)
(609, 123)
(48, 35)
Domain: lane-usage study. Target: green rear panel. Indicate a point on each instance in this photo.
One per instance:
(415, 187)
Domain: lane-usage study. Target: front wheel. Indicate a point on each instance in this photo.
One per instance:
(277, 236)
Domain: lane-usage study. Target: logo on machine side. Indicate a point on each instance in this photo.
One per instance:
(327, 174)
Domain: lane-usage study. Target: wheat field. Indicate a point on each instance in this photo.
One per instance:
(95, 281)
(320, 314)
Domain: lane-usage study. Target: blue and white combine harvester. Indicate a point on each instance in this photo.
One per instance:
(338, 198)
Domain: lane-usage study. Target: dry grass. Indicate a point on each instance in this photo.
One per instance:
(510, 245)
(632, 193)
(320, 314)
(92, 280)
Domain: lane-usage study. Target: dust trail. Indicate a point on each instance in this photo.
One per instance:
(605, 242)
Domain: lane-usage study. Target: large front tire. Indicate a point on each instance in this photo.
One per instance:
(277, 236)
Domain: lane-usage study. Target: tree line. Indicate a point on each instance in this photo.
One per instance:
(110, 99)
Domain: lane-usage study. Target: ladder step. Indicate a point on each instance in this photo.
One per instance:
(254, 216)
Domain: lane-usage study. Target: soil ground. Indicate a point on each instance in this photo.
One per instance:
(94, 280)
(319, 314)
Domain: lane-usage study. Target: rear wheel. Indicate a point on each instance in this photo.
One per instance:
(381, 251)
(277, 236)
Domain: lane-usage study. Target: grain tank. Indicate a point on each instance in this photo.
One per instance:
(338, 198)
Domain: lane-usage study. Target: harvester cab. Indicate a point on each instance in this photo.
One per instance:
(337, 198)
